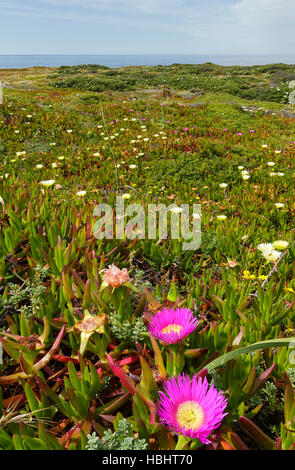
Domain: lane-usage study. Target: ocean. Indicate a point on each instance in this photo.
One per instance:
(23, 61)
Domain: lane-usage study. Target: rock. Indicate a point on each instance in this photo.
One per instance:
(196, 92)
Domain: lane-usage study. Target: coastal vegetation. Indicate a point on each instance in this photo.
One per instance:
(114, 343)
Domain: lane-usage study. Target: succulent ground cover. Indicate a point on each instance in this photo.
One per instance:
(139, 344)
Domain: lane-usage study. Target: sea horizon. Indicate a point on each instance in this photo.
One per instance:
(19, 61)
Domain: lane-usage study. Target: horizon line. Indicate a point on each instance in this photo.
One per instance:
(156, 54)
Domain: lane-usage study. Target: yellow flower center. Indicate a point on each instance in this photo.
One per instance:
(173, 328)
(190, 415)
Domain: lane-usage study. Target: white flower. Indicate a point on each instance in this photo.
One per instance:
(279, 205)
(240, 167)
(245, 172)
(223, 185)
(278, 151)
(47, 183)
(39, 166)
(265, 247)
(245, 177)
(221, 217)
(69, 131)
(54, 165)
(277, 174)
(272, 255)
(268, 251)
(1, 201)
(61, 157)
(271, 163)
(81, 193)
(264, 146)
(132, 167)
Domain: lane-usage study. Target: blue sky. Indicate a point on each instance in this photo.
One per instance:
(147, 27)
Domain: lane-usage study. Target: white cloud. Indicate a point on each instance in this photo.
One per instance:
(216, 26)
(264, 12)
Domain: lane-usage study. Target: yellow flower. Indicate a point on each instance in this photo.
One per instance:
(289, 289)
(280, 244)
(247, 275)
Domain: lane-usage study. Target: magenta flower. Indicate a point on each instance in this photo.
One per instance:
(171, 326)
(190, 407)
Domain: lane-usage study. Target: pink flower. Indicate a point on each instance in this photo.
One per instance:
(190, 407)
(115, 277)
(171, 326)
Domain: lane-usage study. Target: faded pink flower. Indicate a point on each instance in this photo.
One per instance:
(115, 277)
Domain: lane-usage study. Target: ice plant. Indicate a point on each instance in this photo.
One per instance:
(190, 407)
(88, 326)
(280, 244)
(268, 251)
(171, 326)
(81, 193)
(113, 276)
(47, 183)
